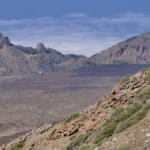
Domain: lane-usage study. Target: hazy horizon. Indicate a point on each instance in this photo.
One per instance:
(73, 26)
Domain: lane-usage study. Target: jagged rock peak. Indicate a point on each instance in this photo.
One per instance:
(4, 41)
(40, 47)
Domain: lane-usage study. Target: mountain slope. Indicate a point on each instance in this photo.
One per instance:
(16, 59)
(121, 119)
(21, 60)
(135, 50)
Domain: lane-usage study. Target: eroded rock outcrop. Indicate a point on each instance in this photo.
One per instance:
(40, 47)
(4, 41)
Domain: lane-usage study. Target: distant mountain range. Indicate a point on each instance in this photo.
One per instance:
(135, 50)
(16, 59)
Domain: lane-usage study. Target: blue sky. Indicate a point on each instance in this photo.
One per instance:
(73, 26)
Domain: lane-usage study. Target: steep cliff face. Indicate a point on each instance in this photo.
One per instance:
(121, 119)
(135, 50)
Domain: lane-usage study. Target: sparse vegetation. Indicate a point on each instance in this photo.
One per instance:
(122, 119)
(78, 141)
(72, 117)
(134, 118)
(124, 79)
(127, 112)
(145, 69)
(145, 93)
(87, 147)
(147, 78)
(123, 147)
(18, 146)
(106, 131)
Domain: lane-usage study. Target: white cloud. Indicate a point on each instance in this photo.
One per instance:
(75, 32)
(75, 15)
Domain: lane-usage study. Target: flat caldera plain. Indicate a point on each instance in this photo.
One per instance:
(30, 101)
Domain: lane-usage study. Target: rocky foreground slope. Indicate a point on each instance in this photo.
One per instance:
(119, 121)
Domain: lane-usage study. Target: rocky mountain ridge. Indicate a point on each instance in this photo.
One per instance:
(16, 59)
(135, 50)
(120, 120)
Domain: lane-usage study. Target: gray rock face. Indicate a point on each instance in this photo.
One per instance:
(22, 60)
(4, 41)
(135, 50)
(25, 60)
(40, 47)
